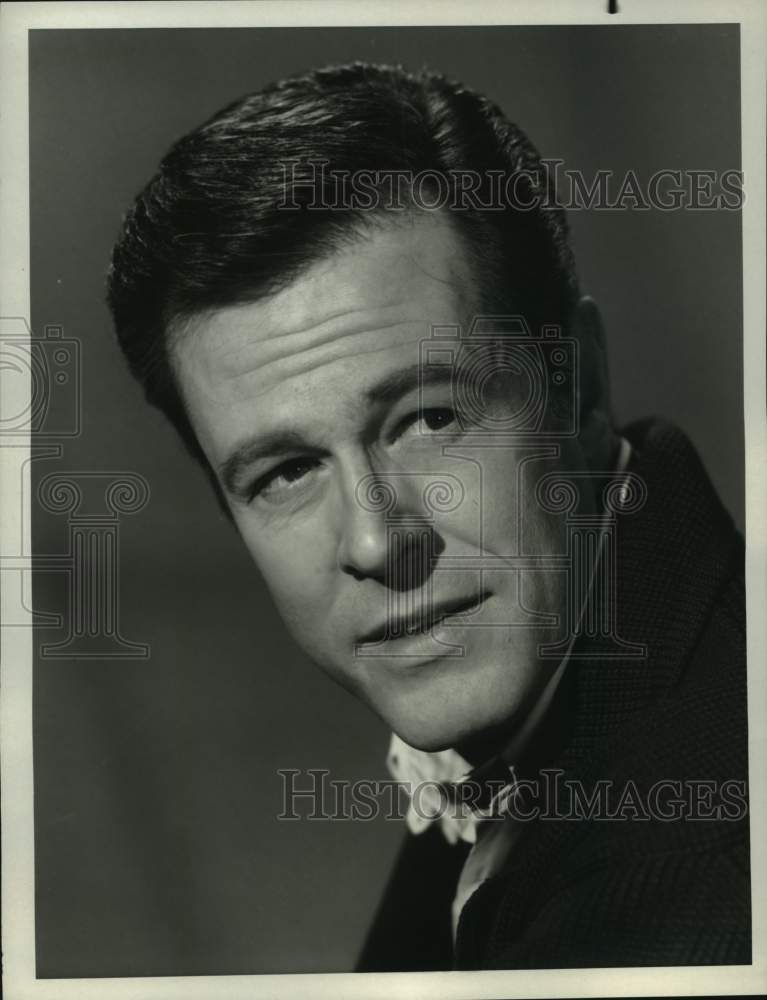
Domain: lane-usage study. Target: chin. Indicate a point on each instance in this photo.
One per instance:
(450, 730)
(473, 707)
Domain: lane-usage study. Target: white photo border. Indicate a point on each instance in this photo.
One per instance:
(18, 918)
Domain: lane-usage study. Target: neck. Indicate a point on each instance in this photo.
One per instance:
(524, 741)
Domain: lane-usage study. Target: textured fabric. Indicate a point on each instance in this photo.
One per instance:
(646, 891)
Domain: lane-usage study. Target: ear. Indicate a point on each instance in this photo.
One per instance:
(596, 434)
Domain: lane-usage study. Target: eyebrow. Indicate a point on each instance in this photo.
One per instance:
(392, 387)
(263, 446)
(279, 442)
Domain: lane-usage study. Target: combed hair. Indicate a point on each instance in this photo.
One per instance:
(211, 228)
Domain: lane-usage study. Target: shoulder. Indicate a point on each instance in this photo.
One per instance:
(641, 853)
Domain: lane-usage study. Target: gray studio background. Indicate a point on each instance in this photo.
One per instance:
(157, 847)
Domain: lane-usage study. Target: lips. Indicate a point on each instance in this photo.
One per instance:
(422, 620)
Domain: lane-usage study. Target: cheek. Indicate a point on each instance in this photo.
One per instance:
(295, 576)
(514, 523)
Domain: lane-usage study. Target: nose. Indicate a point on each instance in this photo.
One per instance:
(363, 542)
(383, 534)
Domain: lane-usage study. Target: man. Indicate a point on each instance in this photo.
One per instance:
(353, 295)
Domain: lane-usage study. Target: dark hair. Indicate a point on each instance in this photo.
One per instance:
(212, 227)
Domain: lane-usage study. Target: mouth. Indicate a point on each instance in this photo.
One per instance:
(422, 620)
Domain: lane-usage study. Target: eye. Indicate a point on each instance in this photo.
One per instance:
(282, 478)
(429, 421)
(438, 418)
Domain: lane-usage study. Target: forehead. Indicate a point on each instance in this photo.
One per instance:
(347, 320)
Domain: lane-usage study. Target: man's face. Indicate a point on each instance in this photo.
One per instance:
(308, 405)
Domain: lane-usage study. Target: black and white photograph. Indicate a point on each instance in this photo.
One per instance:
(383, 448)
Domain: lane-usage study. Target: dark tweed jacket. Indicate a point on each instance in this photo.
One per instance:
(590, 892)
